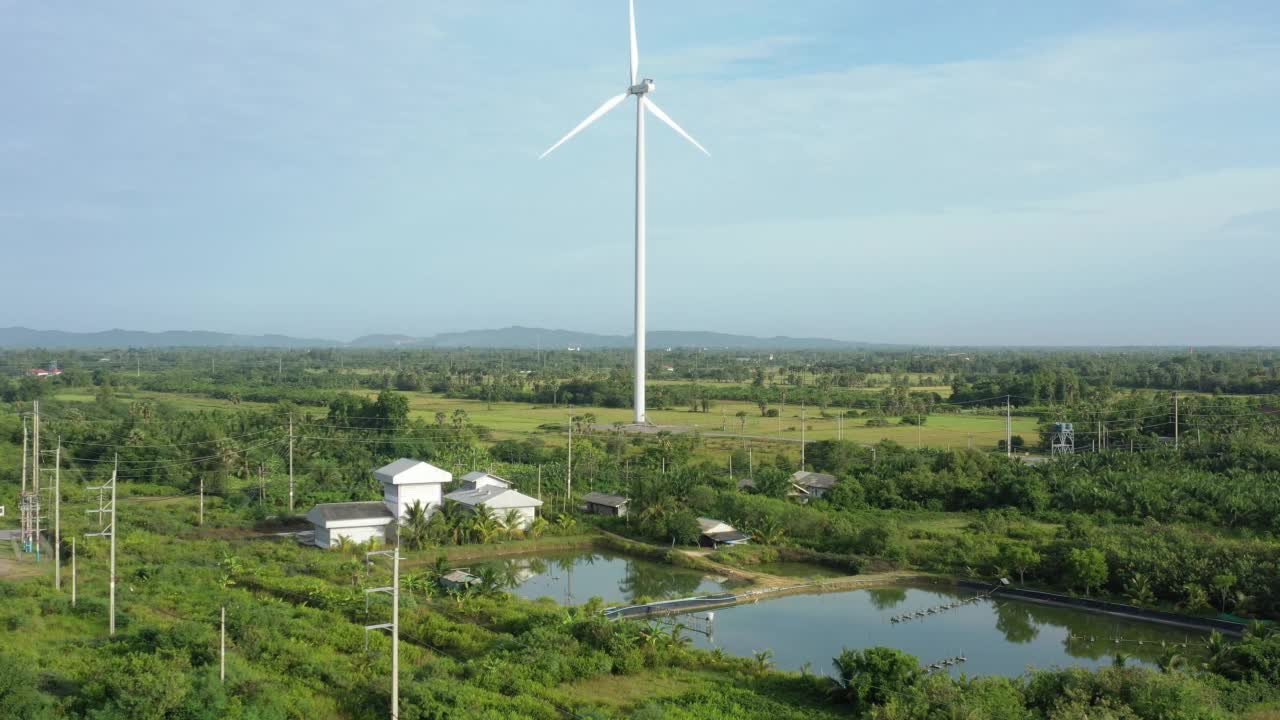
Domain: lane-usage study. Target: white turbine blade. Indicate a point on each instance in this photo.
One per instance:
(608, 105)
(657, 112)
(635, 51)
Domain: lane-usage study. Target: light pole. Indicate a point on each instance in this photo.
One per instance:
(394, 625)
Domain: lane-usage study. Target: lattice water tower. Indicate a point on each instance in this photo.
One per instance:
(1062, 438)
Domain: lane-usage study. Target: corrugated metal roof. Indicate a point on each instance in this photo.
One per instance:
(728, 537)
(335, 512)
(493, 497)
(395, 468)
(598, 498)
(709, 524)
(805, 478)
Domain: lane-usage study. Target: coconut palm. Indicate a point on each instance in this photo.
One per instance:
(763, 659)
(769, 532)
(343, 545)
(490, 581)
(565, 523)
(484, 524)
(1171, 661)
(448, 523)
(417, 525)
(538, 527)
(513, 522)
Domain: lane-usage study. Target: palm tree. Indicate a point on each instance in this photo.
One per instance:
(769, 532)
(512, 522)
(1171, 661)
(538, 526)
(677, 641)
(416, 529)
(343, 545)
(565, 523)
(490, 580)
(447, 523)
(764, 660)
(484, 524)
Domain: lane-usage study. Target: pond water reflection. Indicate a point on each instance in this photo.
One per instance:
(1001, 637)
(573, 577)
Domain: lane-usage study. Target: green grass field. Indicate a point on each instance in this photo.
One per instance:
(510, 419)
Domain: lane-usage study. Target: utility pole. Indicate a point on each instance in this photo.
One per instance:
(110, 531)
(1008, 427)
(290, 463)
(1176, 433)
(568, 478)
(25, 449)
(57, 516)
(27, 501)
(539, 482)
(802, 436)
(393, 626)
(201, 520)
(35, 477)
(222, 648)
(73, 571)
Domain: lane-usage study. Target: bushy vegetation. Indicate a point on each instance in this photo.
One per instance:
(1192, 529)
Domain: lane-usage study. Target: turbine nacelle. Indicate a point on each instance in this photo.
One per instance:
(641, 88)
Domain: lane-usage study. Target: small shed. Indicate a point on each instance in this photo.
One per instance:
(814, 485)
(598, 503)
(356, 521)
(716, 533)
(458, 579)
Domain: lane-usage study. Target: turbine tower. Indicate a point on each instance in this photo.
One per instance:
(640, 89)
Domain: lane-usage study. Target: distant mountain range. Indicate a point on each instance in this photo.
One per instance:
(511, 337)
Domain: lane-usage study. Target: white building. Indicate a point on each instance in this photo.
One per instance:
(403, 482)
(481, 488)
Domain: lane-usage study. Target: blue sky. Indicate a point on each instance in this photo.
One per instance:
(934, 172)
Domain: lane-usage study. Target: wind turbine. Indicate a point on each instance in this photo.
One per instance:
(640, 89)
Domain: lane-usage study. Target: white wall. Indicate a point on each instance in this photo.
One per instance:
(400, 497)
(354, 534)
(526, 517)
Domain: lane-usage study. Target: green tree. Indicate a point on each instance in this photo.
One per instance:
(1020, 557)
(866, 678)
(682, 528)
(1222, 585)
(1087, 568)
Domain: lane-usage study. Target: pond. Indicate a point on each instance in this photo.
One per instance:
(1001, 637)
(575, 576)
